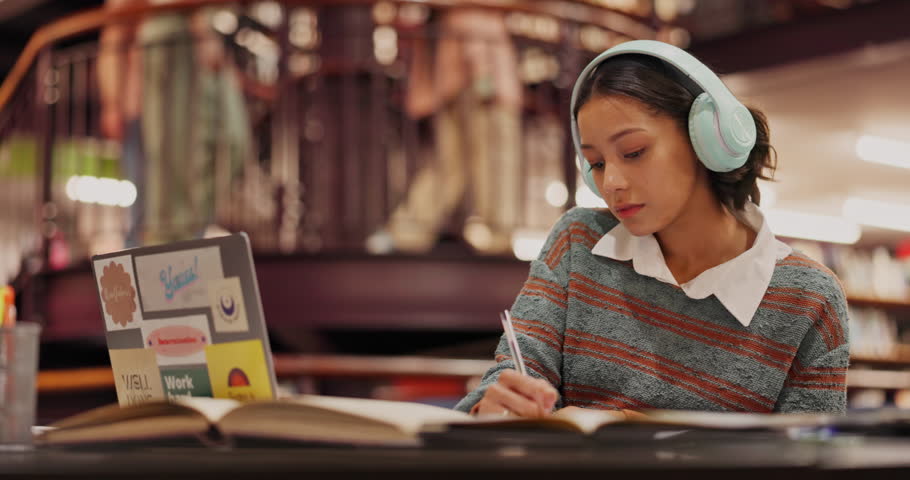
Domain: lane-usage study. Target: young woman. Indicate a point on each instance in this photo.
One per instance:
(678, 295)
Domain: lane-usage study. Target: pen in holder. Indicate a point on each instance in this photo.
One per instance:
(506, 319)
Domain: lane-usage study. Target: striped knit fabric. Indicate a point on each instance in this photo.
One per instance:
(607, 337)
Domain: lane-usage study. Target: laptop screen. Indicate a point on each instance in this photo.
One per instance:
(185, 319)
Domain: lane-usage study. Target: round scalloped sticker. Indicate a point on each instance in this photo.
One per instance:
(119, 298)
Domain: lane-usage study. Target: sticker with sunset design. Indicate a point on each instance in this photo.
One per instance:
(238, 370)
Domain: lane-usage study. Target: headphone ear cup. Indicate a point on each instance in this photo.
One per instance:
(706, 139)
(587, 174)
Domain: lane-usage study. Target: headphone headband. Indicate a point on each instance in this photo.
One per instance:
(721, 129)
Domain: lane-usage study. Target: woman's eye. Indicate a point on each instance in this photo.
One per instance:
(635, 154)
(596, 166)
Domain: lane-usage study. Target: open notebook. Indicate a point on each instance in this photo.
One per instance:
(353, 421)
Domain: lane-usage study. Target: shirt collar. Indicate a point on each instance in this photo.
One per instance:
(739, 284)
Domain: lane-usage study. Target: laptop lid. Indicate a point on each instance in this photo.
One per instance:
(185, 319)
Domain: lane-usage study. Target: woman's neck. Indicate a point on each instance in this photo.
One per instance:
(705, 235)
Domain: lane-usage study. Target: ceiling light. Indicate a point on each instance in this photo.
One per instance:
(892, 216)
(557, 194)
(886, 151)
(527, 244)
(822, 228)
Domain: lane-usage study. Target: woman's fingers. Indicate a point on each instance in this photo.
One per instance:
(537, 389)
(514, 401)
(518, 394)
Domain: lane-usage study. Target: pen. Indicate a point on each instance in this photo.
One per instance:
(506, 319)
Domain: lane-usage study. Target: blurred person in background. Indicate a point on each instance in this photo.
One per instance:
(473, 89)
(677, 296)
(171, 95)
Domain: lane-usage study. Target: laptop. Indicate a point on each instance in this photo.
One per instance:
(185, 319)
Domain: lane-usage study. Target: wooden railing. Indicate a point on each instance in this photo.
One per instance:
(93, 20)
(334, 144)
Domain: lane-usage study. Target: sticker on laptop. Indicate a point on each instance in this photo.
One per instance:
(136, 376)
(119, 297)
(179, 340)
(238, 370)
(186, 382)
(178, 280)
(228, 310)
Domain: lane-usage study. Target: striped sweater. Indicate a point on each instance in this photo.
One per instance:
(607, 337)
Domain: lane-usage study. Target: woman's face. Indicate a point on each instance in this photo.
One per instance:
(643, 164)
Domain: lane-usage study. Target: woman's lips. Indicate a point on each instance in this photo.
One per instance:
(628, 211)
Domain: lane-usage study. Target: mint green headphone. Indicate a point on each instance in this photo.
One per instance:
(721, 128)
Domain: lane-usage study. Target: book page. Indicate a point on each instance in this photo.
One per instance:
(137, 428)
(732, 420)
(311, 418)
(212, 408)
(407, 416)
(115, 413)
(589, 420)
(579, 420)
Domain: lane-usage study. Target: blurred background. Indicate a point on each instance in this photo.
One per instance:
(397, 163)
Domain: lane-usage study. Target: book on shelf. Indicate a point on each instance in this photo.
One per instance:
(353, 421)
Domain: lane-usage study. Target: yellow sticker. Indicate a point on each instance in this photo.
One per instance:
(228, 310)
(238, 370)
(136, 375)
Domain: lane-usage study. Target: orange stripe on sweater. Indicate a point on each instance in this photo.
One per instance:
(537, 367)
(531, 293)
(577, 231)
(629, 401)
(669, 366)
(577, 398)
(653, 370)
(539, 324)
(733, 345)
(684, 333)
(837, 388)
(552, 341)
(818, 325)
(799, 373)
(782, 350)
(830, 318)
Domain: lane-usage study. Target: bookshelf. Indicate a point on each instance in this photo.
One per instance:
(894, 361)
(878, 379)
(883, 303)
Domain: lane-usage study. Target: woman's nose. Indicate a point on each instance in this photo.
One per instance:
(613, 179)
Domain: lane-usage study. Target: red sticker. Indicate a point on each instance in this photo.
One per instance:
(177, 340)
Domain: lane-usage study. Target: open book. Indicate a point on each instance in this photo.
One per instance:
(307, 418)
(341, 420)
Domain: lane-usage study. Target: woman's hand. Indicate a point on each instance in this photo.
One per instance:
(516, 394)
(623, 414)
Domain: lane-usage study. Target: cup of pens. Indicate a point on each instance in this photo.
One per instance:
(18, 370)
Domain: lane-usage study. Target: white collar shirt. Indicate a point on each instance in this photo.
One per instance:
(739, 284)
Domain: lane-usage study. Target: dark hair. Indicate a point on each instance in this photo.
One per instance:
(666, 91)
